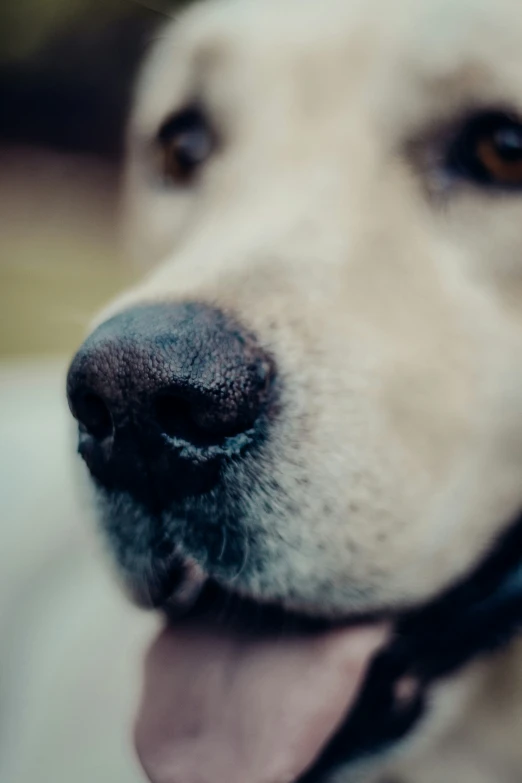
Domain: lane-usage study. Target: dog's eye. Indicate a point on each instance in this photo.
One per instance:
(185, 142)
(488, 151)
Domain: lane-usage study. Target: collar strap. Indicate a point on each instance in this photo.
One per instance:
(478, 615)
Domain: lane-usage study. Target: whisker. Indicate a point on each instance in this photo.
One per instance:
(223, 544)
(246, 555)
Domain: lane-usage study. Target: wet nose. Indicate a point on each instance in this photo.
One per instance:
(162, 391)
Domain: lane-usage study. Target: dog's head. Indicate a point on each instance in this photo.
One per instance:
(314, 400)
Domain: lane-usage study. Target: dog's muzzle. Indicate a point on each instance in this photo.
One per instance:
(167, 397)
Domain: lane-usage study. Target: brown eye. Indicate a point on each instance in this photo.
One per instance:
(185, 142)
(488, 151)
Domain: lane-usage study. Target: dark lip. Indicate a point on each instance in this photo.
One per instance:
(220, 605)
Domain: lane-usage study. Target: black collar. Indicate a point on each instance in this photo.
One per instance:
(478, 615)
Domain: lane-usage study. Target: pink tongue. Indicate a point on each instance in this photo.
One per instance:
(220, 707)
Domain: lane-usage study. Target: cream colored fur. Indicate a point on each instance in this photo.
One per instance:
(390, 297)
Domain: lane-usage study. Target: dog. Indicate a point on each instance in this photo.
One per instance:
(304, 426)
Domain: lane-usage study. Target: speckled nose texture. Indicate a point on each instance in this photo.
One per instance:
(164, 386)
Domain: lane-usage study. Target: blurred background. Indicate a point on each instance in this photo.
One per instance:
(66, 70)
(70, 647)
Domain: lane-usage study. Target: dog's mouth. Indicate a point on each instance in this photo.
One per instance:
(237, 691)
(211, 603)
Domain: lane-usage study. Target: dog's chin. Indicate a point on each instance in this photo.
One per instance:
(181, 589)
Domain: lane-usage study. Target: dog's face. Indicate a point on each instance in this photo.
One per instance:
(327, 221)
(344, 181)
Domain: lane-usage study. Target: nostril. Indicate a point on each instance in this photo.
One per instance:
(193, 421)
(92, 412)
(176, 419)
(173, 415)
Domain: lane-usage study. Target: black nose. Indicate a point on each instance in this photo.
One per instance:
(163, 393)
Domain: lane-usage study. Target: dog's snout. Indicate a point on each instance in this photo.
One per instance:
(165, 382)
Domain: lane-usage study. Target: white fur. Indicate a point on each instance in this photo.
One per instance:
(389, 294)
